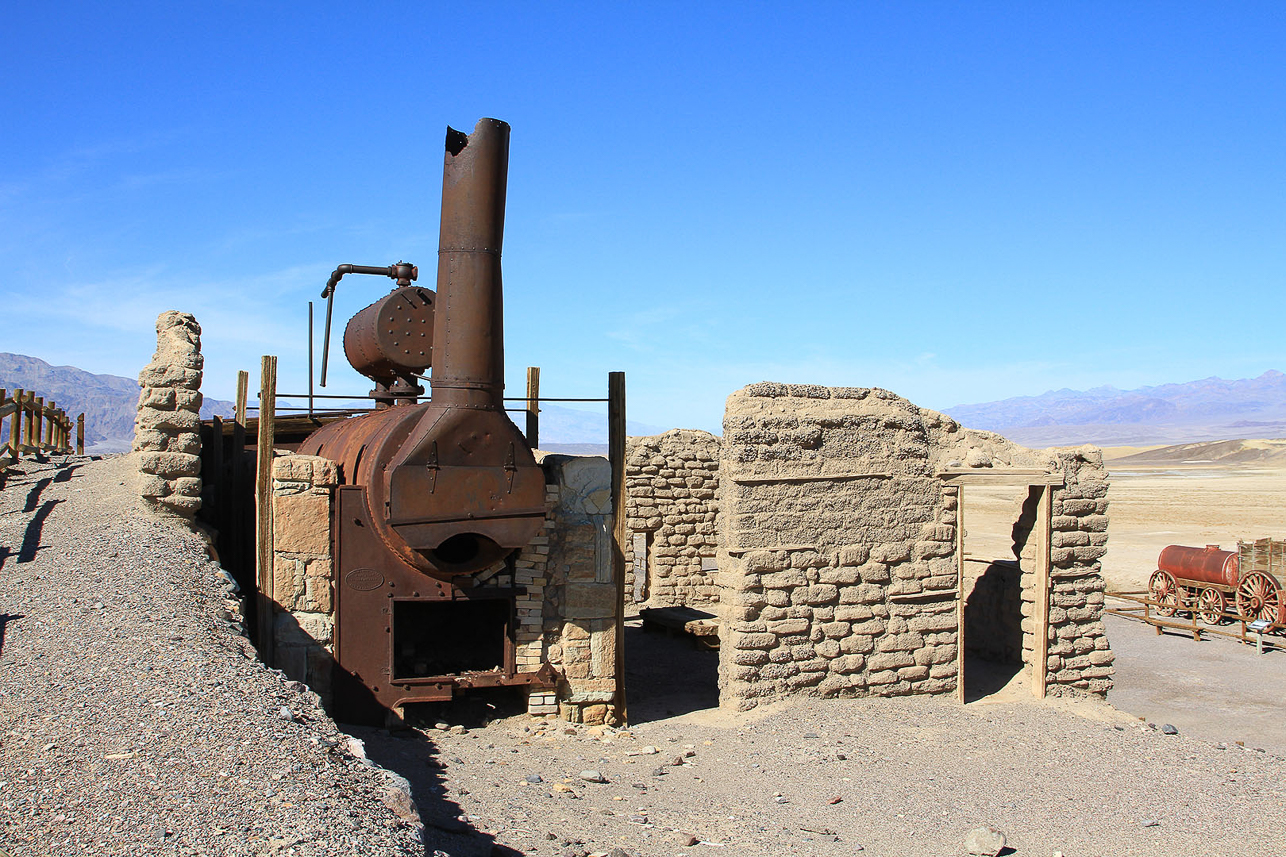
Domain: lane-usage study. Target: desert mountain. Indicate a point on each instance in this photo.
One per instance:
(1267, 453)
(1208, 409)
(109, 402)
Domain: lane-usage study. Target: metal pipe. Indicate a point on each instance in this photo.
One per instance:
(468, 335)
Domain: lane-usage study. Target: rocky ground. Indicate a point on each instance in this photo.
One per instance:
(134, 719)
(134, 716)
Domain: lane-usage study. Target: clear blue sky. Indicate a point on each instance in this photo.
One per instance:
(958, 202)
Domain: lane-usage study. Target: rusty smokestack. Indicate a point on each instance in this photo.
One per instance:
(468, 333)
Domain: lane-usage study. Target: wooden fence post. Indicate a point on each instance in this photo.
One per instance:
(15, 424)
(616, 462)
(80, 434)
(51, 413)
(38, 423)
(263, 507)
(243, 385)
(533, 406)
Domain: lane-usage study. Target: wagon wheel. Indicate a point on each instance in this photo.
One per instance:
(1257, 597)
(1211, 605)
(1164, 592)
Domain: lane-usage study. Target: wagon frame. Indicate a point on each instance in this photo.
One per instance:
(1259, 594)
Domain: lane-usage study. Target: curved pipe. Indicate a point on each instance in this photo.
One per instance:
(402, 272)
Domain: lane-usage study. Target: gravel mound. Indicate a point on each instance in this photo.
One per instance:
(134, 716)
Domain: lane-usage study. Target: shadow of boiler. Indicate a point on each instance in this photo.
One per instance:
(406, 752)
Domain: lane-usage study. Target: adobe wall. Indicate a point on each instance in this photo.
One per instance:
(837, 535)
(671, 482)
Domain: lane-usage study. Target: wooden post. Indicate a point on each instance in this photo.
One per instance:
(37, 432)
(263, 507)
(243, 386)
(80, 434)
(960, 595)
(52, 413)
(15, 425)
(1040, 612)
(616, 462)
(29, 420)
(533, 406)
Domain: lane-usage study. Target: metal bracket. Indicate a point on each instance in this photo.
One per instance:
(432, 465)
(510, 467)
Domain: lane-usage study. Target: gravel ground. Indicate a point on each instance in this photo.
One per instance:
(134, 718)
(905, 776)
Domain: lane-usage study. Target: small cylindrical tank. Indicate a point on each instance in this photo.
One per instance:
(1202, 565)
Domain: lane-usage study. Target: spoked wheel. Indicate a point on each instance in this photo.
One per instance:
(1165, 592)
(1211, 606)
(1257, 598)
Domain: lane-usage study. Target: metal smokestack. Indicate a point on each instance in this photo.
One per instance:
(468, 332)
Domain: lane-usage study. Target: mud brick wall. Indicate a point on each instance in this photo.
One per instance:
(671, 481)
(1079, 655)
(837, 548)
(581, 605)
(167, 428)
(302, 572)
(839, 541)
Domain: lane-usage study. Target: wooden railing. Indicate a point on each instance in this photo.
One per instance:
(35, 427)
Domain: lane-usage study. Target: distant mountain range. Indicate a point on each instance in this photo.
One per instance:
(1204, 410)
(109, 403)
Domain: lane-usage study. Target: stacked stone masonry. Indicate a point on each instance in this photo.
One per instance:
(167, 428)
(838, 547)
(672, 483)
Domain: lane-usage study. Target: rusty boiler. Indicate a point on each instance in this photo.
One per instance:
(433, 492)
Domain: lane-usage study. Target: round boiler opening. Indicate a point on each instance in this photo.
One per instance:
(460, 548)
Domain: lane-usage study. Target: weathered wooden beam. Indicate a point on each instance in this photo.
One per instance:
(533, 406)
(263, 508)
(616, 462)
(80, 434)
(1001, 477)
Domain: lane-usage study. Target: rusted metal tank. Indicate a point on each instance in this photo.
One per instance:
(433, 492)
(1203, 565)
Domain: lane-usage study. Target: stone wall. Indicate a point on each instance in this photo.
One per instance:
(303, 586)
(581, 607)
(167, 428)
(838, 546)
(672, 481)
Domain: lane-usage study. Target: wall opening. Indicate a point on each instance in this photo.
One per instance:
(993, 579)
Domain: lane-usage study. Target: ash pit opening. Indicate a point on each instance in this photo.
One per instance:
(432, 638)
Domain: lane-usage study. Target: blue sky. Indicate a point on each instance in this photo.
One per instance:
(958, 202)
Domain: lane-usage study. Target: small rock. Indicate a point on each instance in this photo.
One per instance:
(1167, 729)
(835, 800)
(534, 778)
(286, 714)
(441, 727)
(676, 761)
(638, 819)
(810, 734)
(592, 777)
(562, 787)
(687, 840)
(458, 730)
(986, 841)
(659, 772)
(649, 750)
(1151, 822)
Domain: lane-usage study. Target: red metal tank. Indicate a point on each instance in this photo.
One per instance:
(1203, 565)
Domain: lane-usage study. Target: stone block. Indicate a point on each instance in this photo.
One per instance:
(301, 524)
(169, 464)
(590, 601)
(890, 660)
